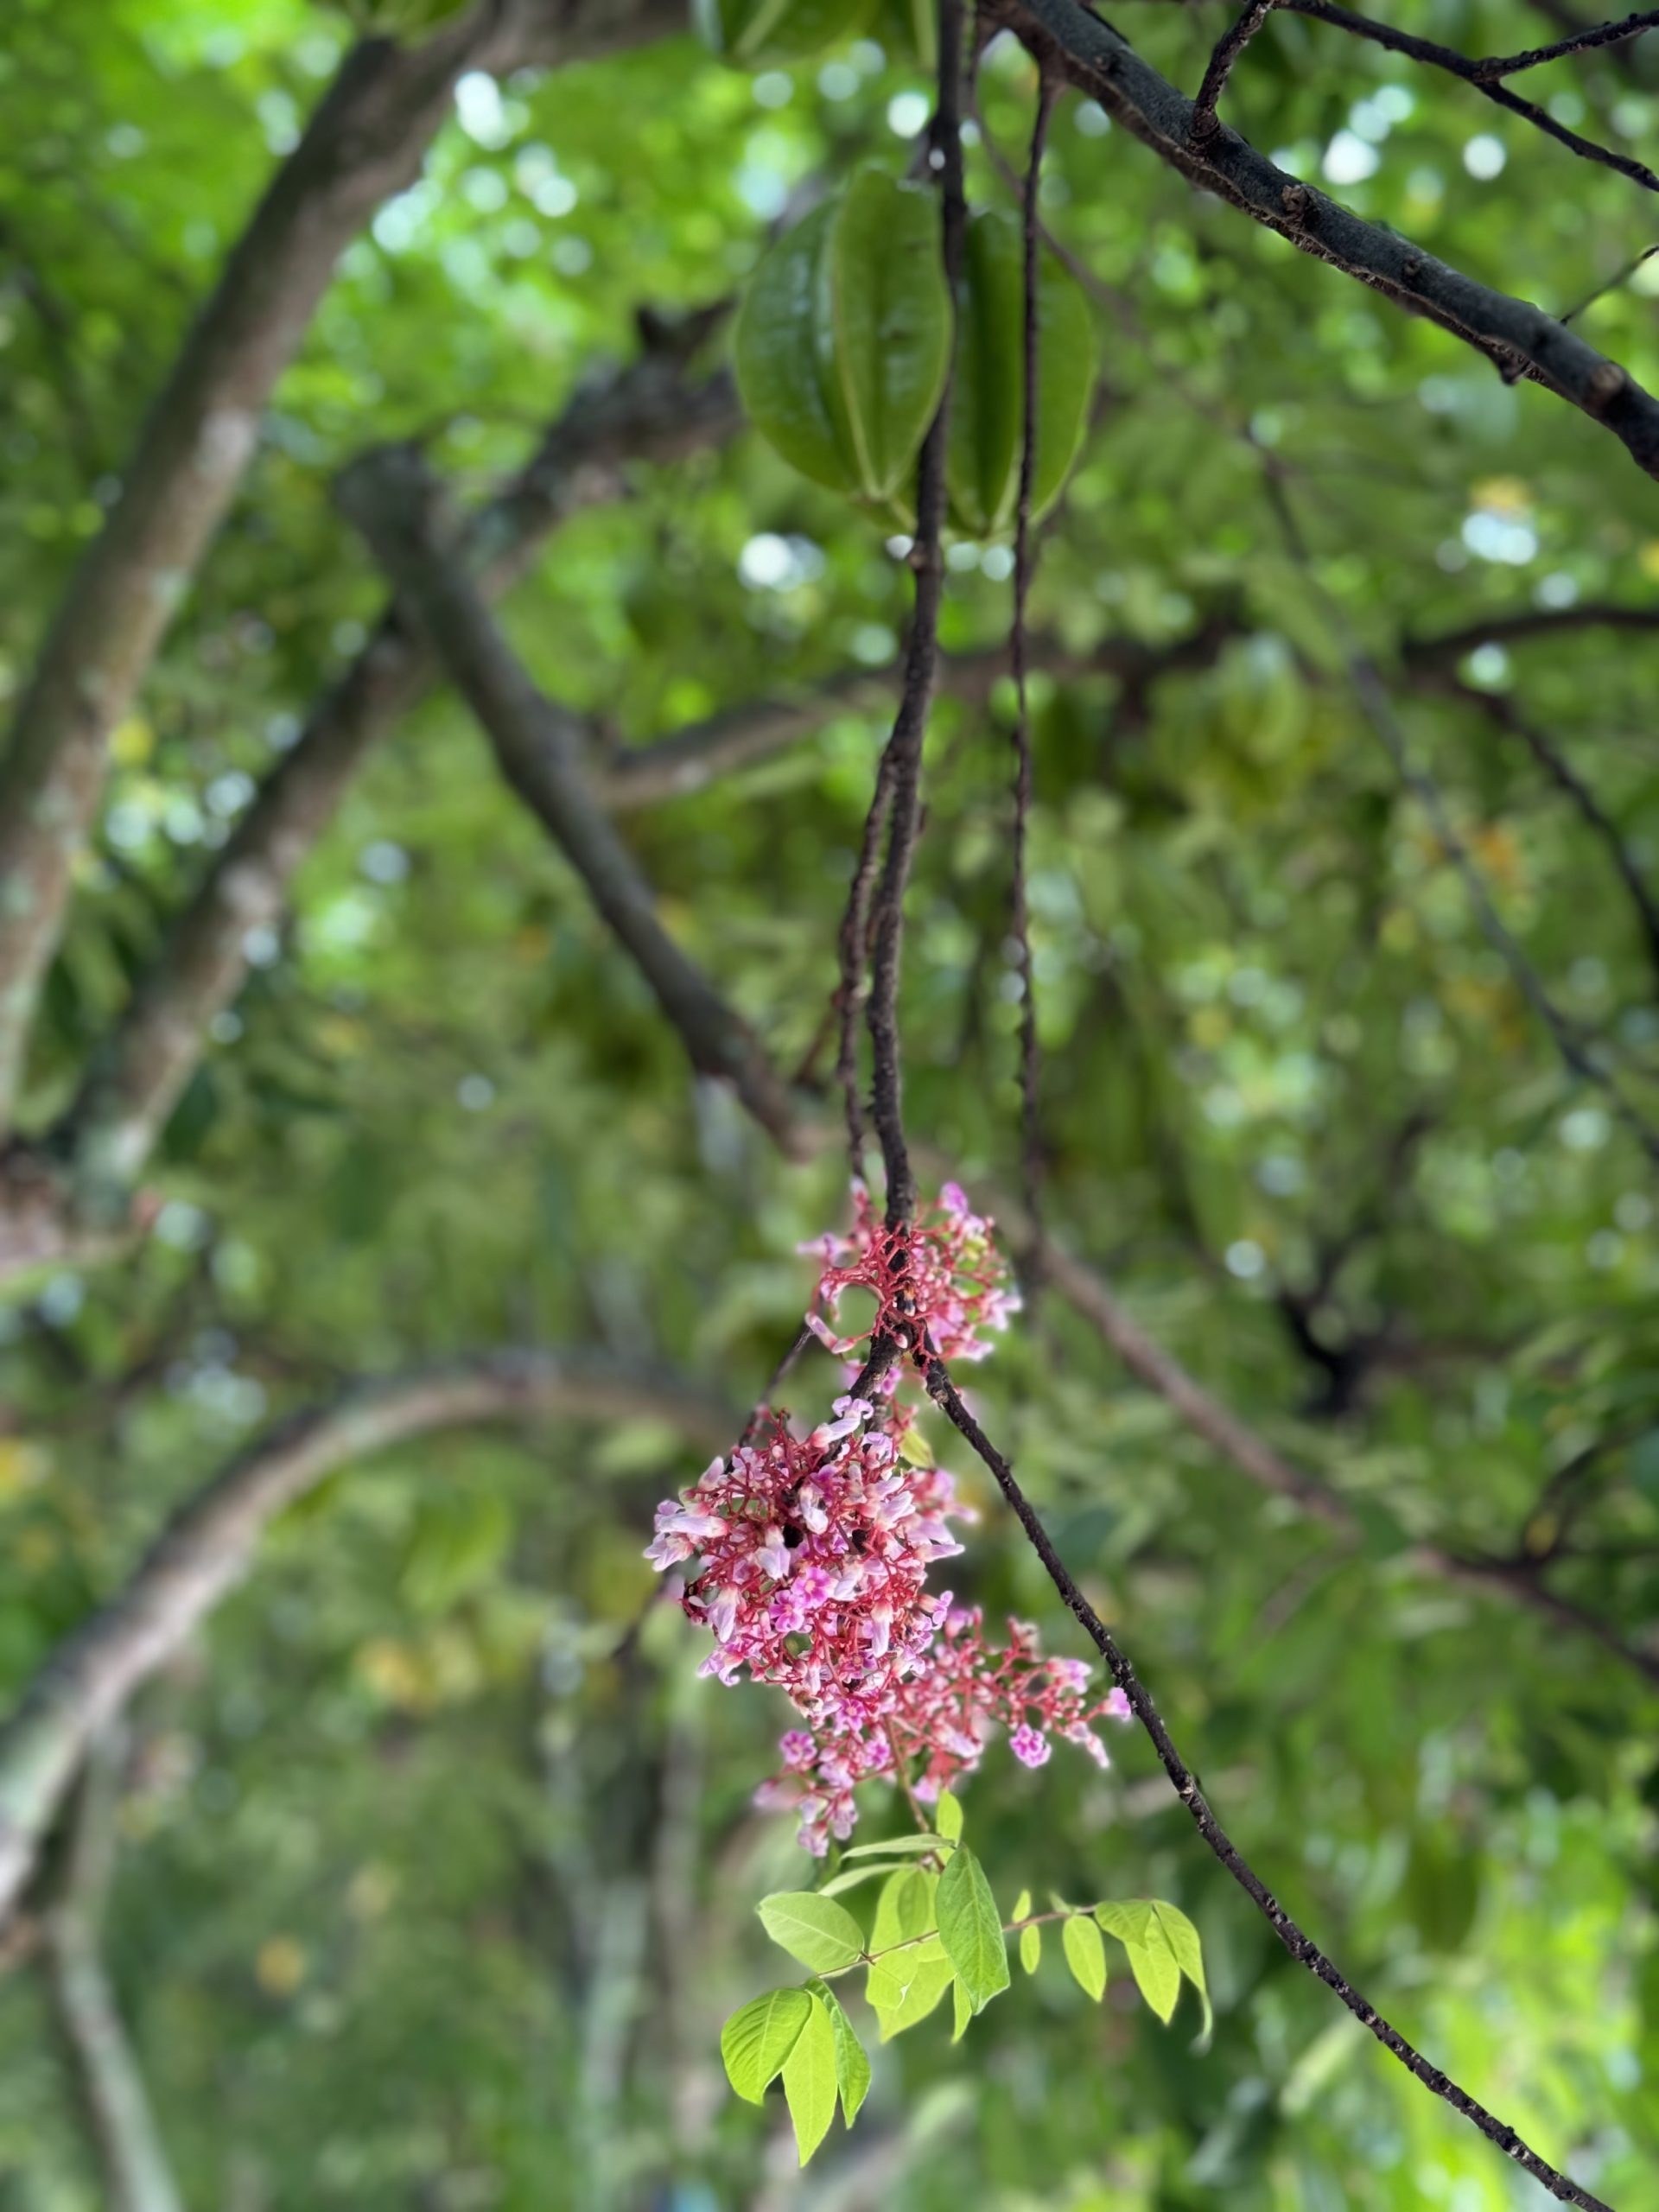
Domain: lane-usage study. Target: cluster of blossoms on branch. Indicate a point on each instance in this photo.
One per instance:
(811, 1551)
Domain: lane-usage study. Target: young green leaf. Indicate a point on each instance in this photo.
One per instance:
(924, 1982)
(813, 1929)
(759, 2037)
(810, 2080)
(1135, 1924)
(852, 2067)
(970, 1927)
(1031, 1947)
(947, 1817)
(851, 1877)
(899, 1845)
(1085, 1954)
(964, 2010)
(1183, 1939)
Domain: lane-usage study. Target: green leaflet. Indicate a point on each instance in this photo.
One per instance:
(1085, 1954)
(1183, 1939)
(1135, 1924)
(947, 1817)
(927, 1980)
(904, 1985)
(810, 2081)
(813, 1929)
(852, 2067)
(1031, 1939)
(760, 34)
(970, 1927)
(844, 337)
(759, 2037)
(851, 1877)
(900, 1846)
(987, 395)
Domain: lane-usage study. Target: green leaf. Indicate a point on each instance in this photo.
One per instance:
(1085, 1954)
(759, 2037)
(947, 1817)
(1031, 1947)
(815, 1929)
(970, 1927)
(810, 2081)
(883, 327)
(1135, 1924)
(851, 1879)
(852, 2067)
(987, 396)
(905, 1908)
(904, 1844)
(925, 1977)
(963, 2009)
(1183, 1939)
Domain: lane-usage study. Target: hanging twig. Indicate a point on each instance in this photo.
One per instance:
(900, 782)
(1020, 919)
(1225, 53)
(1302, 1948)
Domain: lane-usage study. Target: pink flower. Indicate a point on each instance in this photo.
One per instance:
(1028, 1746)
(937, 1278)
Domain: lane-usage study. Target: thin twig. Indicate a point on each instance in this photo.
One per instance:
(1302, 1948)
(1377, 707)
(1483, 75)
(1019, 918)
(1581, 42)
(904, 776)
(1225, 53)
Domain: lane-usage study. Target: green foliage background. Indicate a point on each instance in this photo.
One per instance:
(437, 1880)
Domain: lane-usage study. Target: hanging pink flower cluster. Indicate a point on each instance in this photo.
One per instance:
(812, 1554)
(939, 1276)
(941, 1714)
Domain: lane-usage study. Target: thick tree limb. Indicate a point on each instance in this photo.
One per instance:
(393, 501)
(206, 1548)
(1519, 337)
(365, 142)
(107, 2077)
(656, 411)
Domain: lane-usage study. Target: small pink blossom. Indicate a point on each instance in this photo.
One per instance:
(1030, 1748)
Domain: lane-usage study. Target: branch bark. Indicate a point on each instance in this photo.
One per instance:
(206, 1548)
(365, 142)
(393, 501)
(108, 2079)
(1520, 337)
(656, 411)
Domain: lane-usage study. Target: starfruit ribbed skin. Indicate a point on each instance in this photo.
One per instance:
(844, 337)
(767, 34)
(987, 394)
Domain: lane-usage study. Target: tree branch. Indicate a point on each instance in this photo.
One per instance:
(394, 501)
(1519, 337)
(655, 410)
(110, 2086)
(206, 1548)
(1483, 75)
(1302, 1948)
(365, 142)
